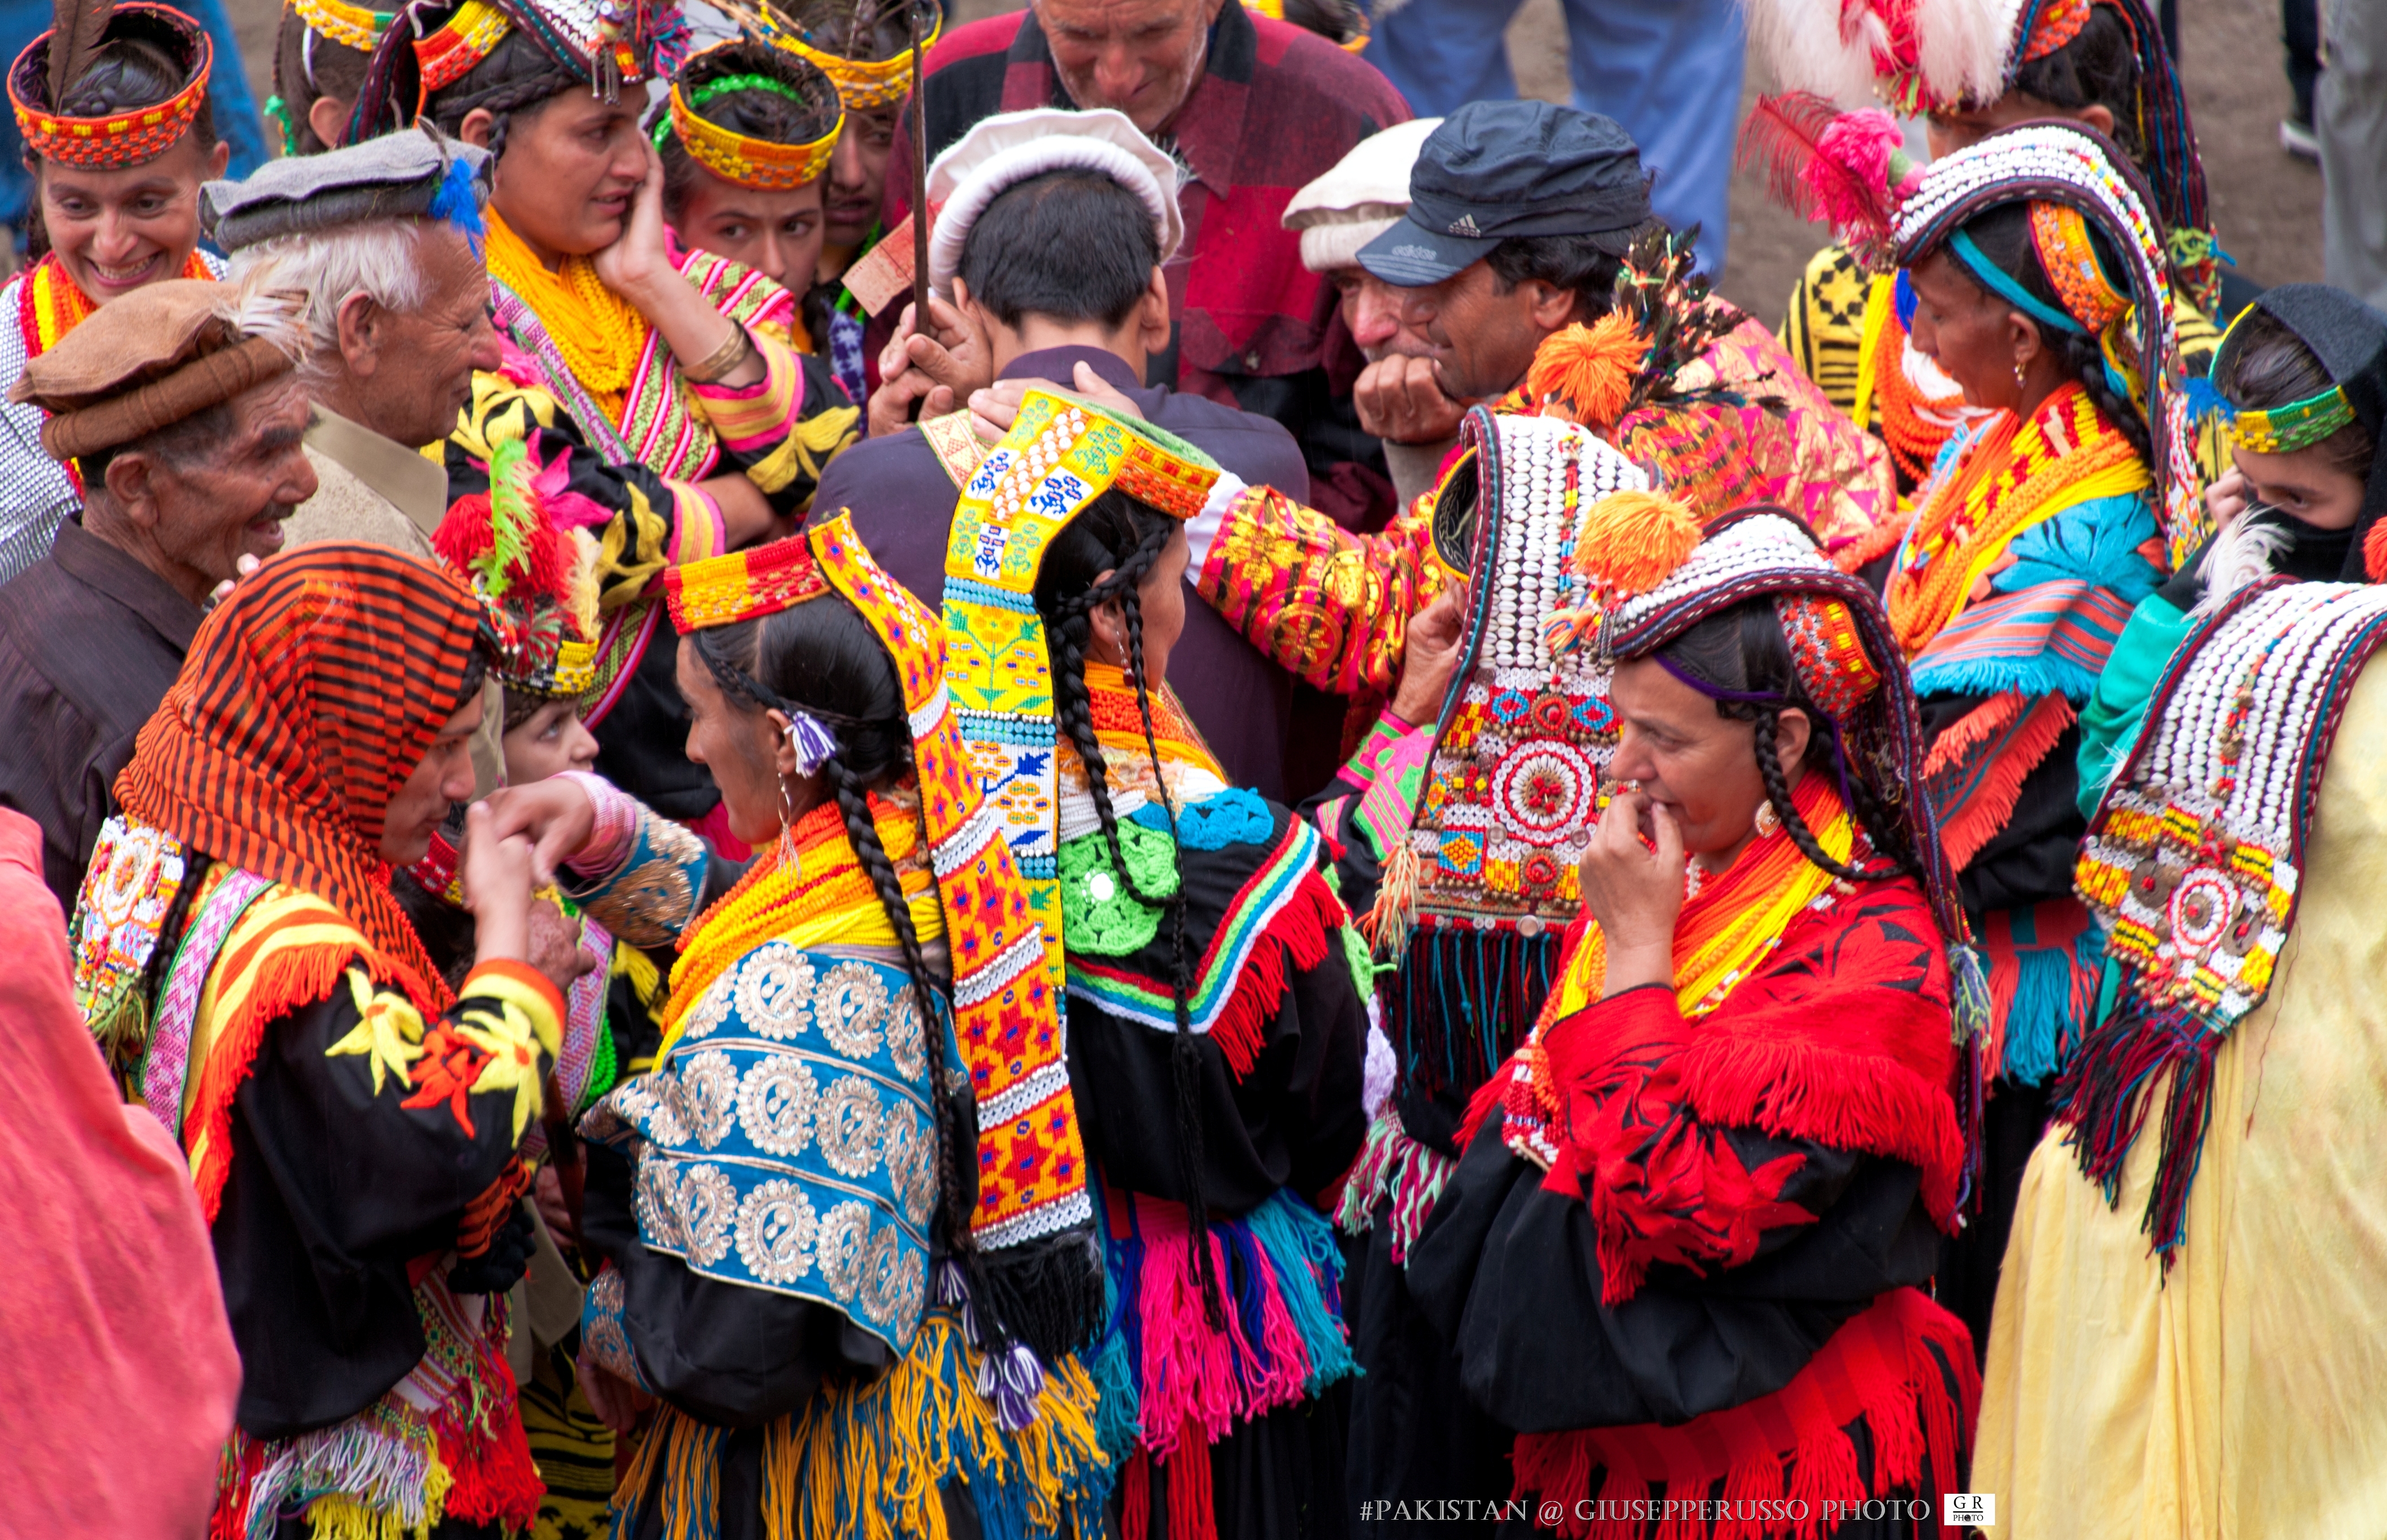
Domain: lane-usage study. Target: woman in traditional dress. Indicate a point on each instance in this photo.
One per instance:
(746, 140)
(1680, 1255)
(119, 136)
(840, 1335)
(670, 369)
(2186, 1338)
(2098, 62)
(2040, 274)
(351, 1121)
(1216, 1018)
(2284, 381)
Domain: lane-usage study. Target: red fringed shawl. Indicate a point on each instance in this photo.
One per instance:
(1842, 1039)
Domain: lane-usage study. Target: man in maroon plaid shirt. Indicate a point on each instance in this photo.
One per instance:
(1253, 108)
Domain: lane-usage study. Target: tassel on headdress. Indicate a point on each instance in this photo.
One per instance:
(1633, 541)
(1851, 169)
(1588, 370)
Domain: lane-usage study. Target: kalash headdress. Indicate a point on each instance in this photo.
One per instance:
(604, 45)
(1036, 1271)
(1930, 56)
(536, 577)
(765, 164)
(1479, 893)
(845, 41)
(2349, 339)
(1651, 574)
(2075, 181)
(46, 73)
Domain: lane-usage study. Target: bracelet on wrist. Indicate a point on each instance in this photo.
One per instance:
(724, 361)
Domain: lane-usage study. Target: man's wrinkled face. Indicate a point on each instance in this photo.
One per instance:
(1142, 57)
(423, 370)
(231, 500)
(1371, 311)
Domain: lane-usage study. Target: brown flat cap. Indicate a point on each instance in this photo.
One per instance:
(161, 354)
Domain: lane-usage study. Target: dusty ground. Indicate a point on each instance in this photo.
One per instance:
(2267, 203)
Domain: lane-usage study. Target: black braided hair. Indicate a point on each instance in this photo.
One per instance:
(2003, 236)
(2098, 68)
(822, 658)
(759, 114)
(1102, 557)
(1743, 650)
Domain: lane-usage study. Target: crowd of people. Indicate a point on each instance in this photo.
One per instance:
(795, 772)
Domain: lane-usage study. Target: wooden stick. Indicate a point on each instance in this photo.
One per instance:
(919, 177)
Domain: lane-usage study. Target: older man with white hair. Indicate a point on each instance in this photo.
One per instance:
(1364, 194)
(380, 241)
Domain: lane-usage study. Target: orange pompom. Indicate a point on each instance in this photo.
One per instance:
(2374, 552)
(1587, 370)
(1633, 541)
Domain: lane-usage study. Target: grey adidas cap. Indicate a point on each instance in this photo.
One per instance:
(1495, 169)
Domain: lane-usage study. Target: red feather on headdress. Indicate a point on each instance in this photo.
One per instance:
(79, 25)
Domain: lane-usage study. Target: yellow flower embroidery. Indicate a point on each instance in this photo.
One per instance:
(388, 1032)
(506, 1035)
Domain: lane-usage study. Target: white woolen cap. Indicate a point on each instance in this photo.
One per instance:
(1008, 148)
(1361, 198)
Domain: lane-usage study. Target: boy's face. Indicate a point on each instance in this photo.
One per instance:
(549, 742)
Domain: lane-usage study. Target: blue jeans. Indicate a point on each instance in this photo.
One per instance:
(1668, 71)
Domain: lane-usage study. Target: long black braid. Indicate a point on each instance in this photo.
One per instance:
(1742, 651)
(828, 664)
(1125, 536)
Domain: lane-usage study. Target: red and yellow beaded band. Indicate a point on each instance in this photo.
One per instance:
(447, 55)
(747, 161)
(2061, 237)
(863, 83)
(128, 138)
(744, 584)
(357, 27)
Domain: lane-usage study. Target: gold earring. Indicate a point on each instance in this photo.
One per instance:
(1767, 819)
(2022, 382)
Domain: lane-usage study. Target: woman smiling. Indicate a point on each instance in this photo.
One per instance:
(117, 197)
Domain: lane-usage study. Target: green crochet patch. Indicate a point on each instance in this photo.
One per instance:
(1098, 913)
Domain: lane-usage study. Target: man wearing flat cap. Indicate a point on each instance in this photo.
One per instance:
(376, 243)
(179, 407)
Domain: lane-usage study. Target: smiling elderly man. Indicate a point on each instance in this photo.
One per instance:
(178, 405)
(1253, 108)
(375, 241)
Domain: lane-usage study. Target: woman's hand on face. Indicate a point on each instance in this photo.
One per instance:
(2227, 498)
(639, 259)
(496, 888)
(555, 816)
(1635, 893)
(1437, 634)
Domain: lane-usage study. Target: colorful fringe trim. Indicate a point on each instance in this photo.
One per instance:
(2108, 1089)
(1464, 999)
(1398, 1170)
(2044, 966)
(1892, 1367)
(1174, 1384)
(1974, 772)
(396, 1472)
(869, 1459)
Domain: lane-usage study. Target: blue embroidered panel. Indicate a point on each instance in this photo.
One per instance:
(786, 1142)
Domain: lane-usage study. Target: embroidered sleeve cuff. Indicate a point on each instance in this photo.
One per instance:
(698, 528)
(1203, 528)
(604, 1330)
(522, 986)
(750, 418)
(651, 894)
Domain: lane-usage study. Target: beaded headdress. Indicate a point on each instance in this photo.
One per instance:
(38, 81)
(536, 580)
(1038, 1274)
(2077, 170)
(1351, 31)
(2193, 866)
(357, 27)
(1944, 55)
(742, 158)
(1060, 454)
(866, 84)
